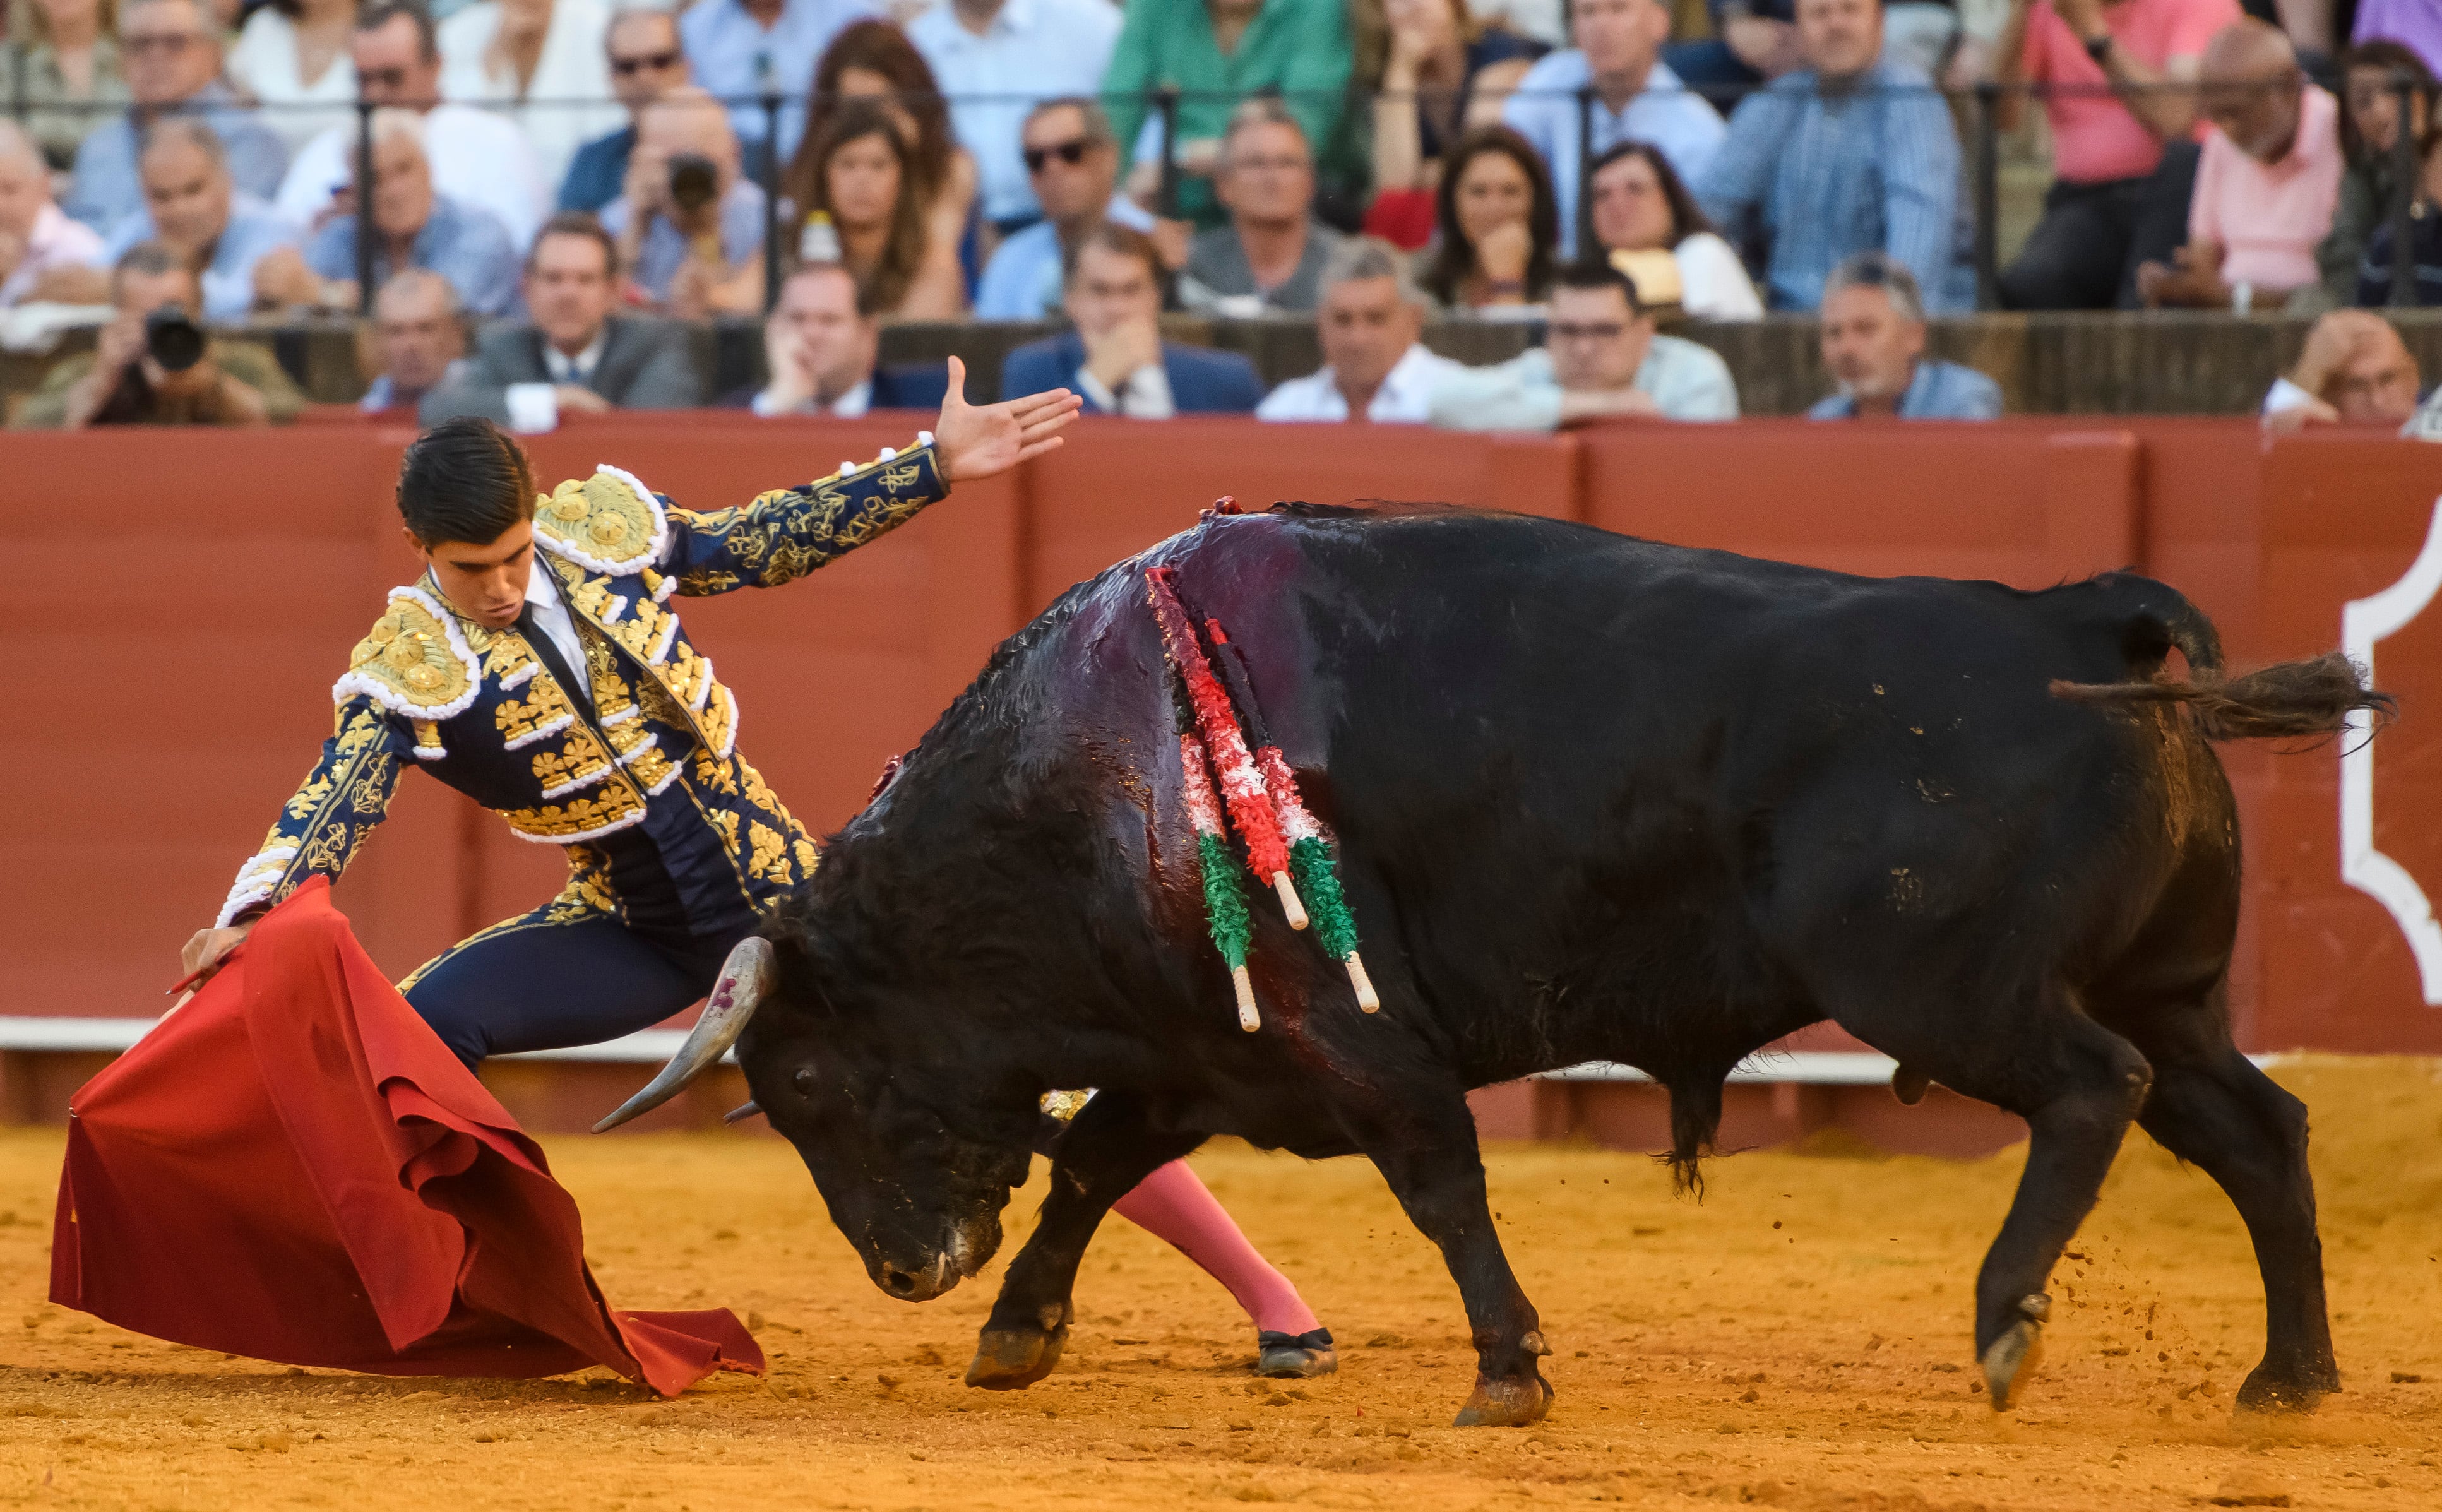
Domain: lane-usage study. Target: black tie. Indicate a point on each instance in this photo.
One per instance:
(548, 650)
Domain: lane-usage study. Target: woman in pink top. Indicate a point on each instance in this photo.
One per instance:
(2098, 67)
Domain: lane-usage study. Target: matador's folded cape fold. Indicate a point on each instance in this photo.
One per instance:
(294, 1168)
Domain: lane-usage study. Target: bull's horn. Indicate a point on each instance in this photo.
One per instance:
(743, 1112)
(744, 978)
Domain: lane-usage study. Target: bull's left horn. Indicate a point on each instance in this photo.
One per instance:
(744, 978)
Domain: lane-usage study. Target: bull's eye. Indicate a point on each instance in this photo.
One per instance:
(804, 1080)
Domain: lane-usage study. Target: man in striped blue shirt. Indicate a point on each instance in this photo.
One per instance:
(1848, 154)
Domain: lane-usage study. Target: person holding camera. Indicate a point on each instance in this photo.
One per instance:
(689, 225)
(153, 365)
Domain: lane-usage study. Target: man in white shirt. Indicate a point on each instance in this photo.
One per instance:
(477, 157)
(37, 238)
(820, 349)
(1636, 98)
(1373, 366)
(992, 58)
(1603, 357)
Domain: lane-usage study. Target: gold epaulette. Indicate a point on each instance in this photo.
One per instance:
(607, 523)
(412, 661)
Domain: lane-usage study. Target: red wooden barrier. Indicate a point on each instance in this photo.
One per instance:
(182, 601)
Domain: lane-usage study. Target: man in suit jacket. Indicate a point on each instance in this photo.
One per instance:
(819, 349)
(1116, 356)
(574, 354)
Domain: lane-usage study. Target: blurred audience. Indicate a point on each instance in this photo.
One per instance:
(743, 50)
(994, 60)
(292, 57)
(690, 224)
(1114, 354)
(1641, 205)
(2370, 128)
(2353, 370)
(1636, 96)
(1848, 154)
(572, 351)
(1493, 249)
(2268, 180)
(193, 208)
(871, 63)
(417, 333)
(538, 63)
(1443, 73)
(2118, 198)
(1873, 343)
(173, 54)
(1074, 163)
(2375, 269)
(153, 365)
(413, 228)
(62, 77)
(1754, 41)
(1374, 365)
(856, 173)
(1270, 254)
(1216, 53)
(43, 253)
(1604, 358)
(646, 56)
(478, 158)
(820, 351)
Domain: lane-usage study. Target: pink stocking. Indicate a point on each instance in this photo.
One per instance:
(1176, 1207)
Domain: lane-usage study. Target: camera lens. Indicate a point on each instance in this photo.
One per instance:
(173, 338)
(694, 181)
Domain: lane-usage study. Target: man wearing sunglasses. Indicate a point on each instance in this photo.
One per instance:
(647, 61)
(1073, 161)
(477, 157)
(173, 55)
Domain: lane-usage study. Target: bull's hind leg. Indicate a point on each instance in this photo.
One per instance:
(2078, 1085)
(1433, 1167)
(2211, 1107)
(1106, 1152)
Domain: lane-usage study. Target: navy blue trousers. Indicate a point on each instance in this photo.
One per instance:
(558, 977)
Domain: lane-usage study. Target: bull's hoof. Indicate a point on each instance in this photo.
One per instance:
(2010, 1362)
(1511, 1402)
(2269, 1391)
(1295, 1355)
(1009, 1359)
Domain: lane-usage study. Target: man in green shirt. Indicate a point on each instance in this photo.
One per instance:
(1217, 53)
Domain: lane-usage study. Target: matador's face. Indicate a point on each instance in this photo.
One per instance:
(488, 584)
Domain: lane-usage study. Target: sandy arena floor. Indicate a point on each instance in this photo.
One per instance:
(1798, 1341)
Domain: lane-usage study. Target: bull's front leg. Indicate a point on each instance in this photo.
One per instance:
(1106, 1150)
(1430, 1160)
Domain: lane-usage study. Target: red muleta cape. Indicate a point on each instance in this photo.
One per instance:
(294, 1168)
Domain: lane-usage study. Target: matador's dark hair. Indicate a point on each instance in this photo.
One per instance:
(465, 480)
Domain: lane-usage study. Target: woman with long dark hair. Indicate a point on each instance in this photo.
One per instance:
(1434, 70)
(857, 172)
(1497, 228)
(2370, 128)
(872, 63)
(1642, 204)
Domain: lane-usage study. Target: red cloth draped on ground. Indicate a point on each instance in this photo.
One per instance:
(294, 1168)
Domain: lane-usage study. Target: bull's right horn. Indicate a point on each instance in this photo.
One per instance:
(744, 978)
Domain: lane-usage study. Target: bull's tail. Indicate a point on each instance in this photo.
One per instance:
(2314, 697)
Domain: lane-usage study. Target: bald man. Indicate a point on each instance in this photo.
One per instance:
(2268, 180)
(194, 206)
(2354, 371)
(690, 256)
(39, 246)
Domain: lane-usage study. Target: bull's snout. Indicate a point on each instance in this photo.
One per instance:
(917, 1284)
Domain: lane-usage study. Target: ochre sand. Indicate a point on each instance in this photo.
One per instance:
(1798, 1340)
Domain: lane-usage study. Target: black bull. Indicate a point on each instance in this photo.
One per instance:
(1597, 799)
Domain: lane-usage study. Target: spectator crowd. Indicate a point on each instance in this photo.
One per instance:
(527, 198)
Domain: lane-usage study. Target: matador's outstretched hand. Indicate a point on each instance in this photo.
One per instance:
(973, 442)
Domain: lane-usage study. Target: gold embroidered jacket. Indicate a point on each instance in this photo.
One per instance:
(642, 778)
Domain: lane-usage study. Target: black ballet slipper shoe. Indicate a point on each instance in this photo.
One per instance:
(1295, 1356)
